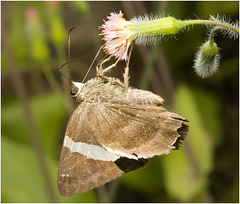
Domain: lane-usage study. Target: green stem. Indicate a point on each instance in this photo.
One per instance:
(211, 22)
(212, 34)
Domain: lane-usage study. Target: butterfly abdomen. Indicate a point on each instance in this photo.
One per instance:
(139, 96)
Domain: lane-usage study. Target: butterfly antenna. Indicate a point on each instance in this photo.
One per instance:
(69, 53)
(62, 72)
(92, 63)
(69, 56)
(69, 42)
(65, 65)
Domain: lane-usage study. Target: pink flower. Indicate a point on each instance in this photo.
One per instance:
(117, 36)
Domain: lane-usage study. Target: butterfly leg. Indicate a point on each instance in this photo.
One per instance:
(126, 72)
(101, 71)
(99, 65)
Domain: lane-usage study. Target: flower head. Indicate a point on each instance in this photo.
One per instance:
(117, 35)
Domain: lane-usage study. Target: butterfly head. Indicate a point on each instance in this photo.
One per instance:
(75, 89)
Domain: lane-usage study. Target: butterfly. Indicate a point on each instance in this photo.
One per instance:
(114, 130)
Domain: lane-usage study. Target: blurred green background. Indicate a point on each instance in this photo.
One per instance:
(36, 104)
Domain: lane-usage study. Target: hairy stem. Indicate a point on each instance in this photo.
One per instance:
(212, 22)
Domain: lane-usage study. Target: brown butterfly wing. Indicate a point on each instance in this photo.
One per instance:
(77, 173)
(139, 131)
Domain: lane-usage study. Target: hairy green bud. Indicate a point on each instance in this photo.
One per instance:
(207, 60)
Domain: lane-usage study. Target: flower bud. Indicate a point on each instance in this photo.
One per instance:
(35, 33)
(57, 30)
(207, 60)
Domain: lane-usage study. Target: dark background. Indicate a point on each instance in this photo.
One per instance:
(36, 105)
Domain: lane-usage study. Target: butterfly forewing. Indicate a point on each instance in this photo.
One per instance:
(79, 173)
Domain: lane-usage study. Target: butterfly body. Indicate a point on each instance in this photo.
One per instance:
(114, 130)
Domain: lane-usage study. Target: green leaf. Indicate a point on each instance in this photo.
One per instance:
(186, 171)
(12, 115)
(210, 113)
(48, 113)
(22, 180)
(181, 179)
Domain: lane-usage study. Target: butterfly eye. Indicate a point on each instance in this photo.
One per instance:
(74, 90)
